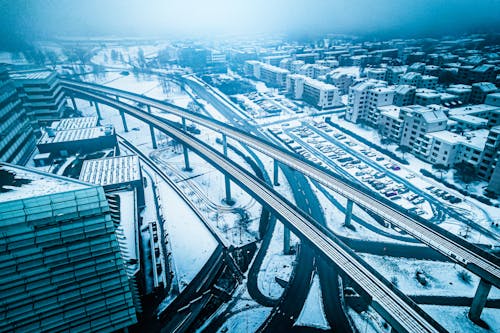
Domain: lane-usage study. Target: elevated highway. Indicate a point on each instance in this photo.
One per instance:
(401, 313)
(480, 262)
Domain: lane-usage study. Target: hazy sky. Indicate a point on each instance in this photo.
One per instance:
(159, 17)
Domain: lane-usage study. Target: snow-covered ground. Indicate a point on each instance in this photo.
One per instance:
(191, 243)
(455, 319)
(443, 277)
(313, 313)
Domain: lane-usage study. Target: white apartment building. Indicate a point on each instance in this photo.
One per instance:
(376, 73)
(340, 80)
(418, 121)
(390, 123)
(418, 80)
(314, 92)
(364, 99)
(272, 75)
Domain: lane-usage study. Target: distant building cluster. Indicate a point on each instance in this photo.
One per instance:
(395, 86)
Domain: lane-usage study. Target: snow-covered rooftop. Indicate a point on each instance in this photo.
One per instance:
(73, 135)
(111, 170)
(74, 123)
(473, 109)
(29, 183)
(475, 139)
(31, 75)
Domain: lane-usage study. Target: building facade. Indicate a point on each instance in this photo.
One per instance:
(17, 139)
(61, 267)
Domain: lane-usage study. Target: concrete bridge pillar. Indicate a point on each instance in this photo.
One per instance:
(117, 98)
(286, 240)
(348, 213)
(227, 181)
(153, 138)
(275, 173)
(479, 300)
(99, 117)
(124, 121)
(185, 150)
(149, 108)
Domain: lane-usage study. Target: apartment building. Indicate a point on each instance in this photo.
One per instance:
(426, 97)
(340, 80)
(364, 99)
(390, 122)
(376, 73)
(404, 95)
(418, 121)
(17, 139)
(61, 264)
(273, 76)
(480, 90)
(314, 92)
(462, 91)
(418, 80)
(393, 74)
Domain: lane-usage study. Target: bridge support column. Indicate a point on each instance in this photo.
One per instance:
(286, 240)
(227, 181)
(153, 138)
(124, 121)
(149, 108)
(99, 117)
(185, 150)
(348, 213)
(479, 300)
(275, 173)
(91, 103)
(73, 102)
(117, 98)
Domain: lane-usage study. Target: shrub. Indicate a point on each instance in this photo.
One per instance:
(465, 276)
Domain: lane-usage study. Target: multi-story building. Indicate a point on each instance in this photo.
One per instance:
(340, 80)
(480, 90)
(432, 70)
(321, 95)
(418, 121)
(426, 97)
(42, 96)
(376, 73)
(314, 92)
(463, 92)
(61, 265)
(364, 99)
(490, 156)
(17, 139)
(390, 123)
(272, 75)
(417, 80)
(121, 178)
(393, 74)
(314, 71)
(482, 73)
(295, 85)
(404, 95)
(251, 68)
(418, 67)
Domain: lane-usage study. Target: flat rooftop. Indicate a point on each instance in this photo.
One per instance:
(74, 123)
(34, 75)
(17, 183)
(111, 170)
(473, 109)
(475, 139)
(73, 135)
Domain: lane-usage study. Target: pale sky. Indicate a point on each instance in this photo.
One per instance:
(193, 17)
